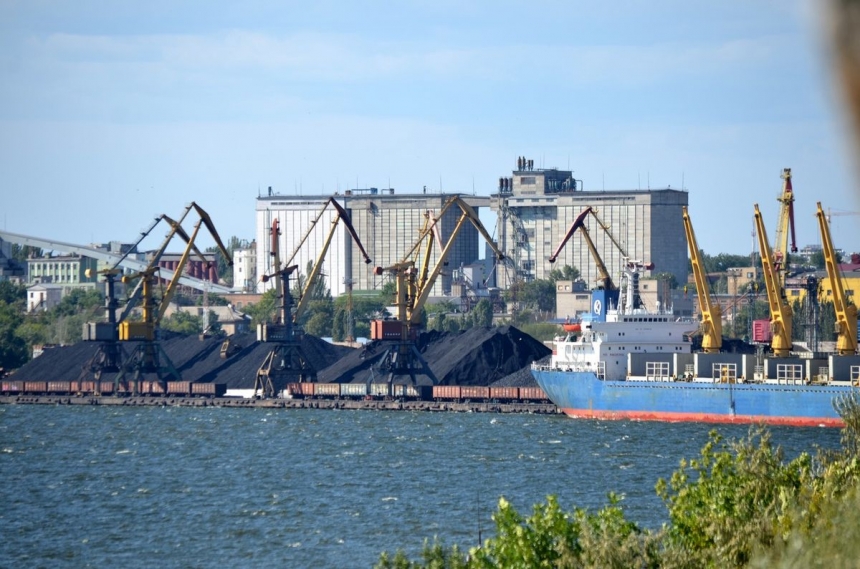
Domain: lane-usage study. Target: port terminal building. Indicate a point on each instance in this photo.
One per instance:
(535, 208)
(387, 222)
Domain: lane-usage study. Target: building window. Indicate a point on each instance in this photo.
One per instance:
(527, 180)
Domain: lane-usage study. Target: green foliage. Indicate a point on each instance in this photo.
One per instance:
(320, 315)
(538, 294)
(183, 323)
(566, 273)
(13, 348)
(13, 294)
(265, 309)
(543, 331)
(739, 504)
(23, 252)
(483, 313)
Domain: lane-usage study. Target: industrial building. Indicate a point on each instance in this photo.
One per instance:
(535, 207)
(388, 224)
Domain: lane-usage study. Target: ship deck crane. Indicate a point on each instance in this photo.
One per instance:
(846, 313)
(712, 318)
(148, 356)
(780, 311)
(785, 225)
(413, 288)
(287, 359)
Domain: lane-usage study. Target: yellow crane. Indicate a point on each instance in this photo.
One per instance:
(287, 359)
(712, 317)
(846, 313)
(780, 311)
(785, 225)
(413, 290)
(604, 279)
(148, 355)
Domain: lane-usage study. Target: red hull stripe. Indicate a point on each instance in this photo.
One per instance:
(704, 418)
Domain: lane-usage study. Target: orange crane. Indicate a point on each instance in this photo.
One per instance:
(286, 359)
(413, 288)
(785, 225)
(846, 313)
(780, 311)
(712, 317)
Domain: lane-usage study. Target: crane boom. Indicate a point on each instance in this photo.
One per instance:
(785, 225)
(846, 314)
(712, 318)
(780, 311)
(579, 223)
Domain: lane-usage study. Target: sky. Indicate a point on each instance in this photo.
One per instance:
(112, 112)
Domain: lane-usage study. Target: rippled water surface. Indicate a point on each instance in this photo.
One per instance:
(213, 487)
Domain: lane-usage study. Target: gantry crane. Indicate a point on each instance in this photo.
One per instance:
(785, 225)
(846, 313)
(287, 360)
(148, 356)
(712, 317)
(413, 288)
(780, 311)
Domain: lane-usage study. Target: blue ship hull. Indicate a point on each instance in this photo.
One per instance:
(582, 394)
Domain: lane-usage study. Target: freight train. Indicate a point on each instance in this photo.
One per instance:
(441, 393)
(85, 388)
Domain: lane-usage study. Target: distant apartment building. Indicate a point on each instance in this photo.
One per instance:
(387, 223)
(245, 268)
(41, 297)
(535, 208)
(62, 270)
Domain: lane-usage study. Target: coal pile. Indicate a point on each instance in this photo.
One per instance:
(478, 356)
(523, 377)
(196, 360)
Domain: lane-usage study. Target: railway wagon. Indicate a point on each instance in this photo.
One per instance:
(300, 390)
(380, 390)
(12, 387)
(182, 388)
(475, 392)
(326, 390)
(533, 394)
(208, 389)
(59, 387)
(353, 390)
(35, 387)
(417, 392)
(447, 392)
(504, 393)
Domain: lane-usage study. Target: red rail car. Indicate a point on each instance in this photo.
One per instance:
(182, 388)
(504, 393)
(532, 394)
(449, 392)
(208, 389)
(475, 392)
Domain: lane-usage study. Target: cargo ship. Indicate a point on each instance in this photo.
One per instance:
(629, 363)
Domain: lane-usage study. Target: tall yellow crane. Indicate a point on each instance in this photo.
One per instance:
(413, 290)
(148, 355)
(785, 225)
(287, 360)
(780, 311)
(712, 317)
(846, 313)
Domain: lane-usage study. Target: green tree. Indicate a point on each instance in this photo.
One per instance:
(13, 348)
(566, 273)
(13, 294)
(539, 294)
(320, 317)
(265, 309)
(182, 322)
(483, 313)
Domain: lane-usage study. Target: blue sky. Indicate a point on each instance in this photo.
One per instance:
(113, 112)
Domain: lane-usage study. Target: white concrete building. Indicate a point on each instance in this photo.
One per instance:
(387, 223)
(43, 296)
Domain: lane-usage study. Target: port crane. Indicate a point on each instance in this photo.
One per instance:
(785, 226)
(110, 355)
(604, 279)
(287, 359)
(712, 317)
(846, 313)
(413, 286)
(780, 311)
(148, 356)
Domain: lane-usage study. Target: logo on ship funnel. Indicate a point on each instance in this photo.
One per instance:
(598, 306)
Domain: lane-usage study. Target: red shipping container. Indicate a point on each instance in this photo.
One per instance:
(761, 332)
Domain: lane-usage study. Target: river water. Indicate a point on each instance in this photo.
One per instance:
(215, 487)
